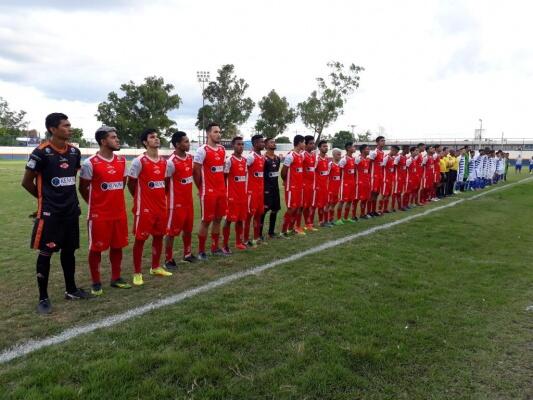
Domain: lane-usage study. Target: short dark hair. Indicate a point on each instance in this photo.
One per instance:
(397, 148)
(101, 134)
(412, 148)
(268, 139)
(420, 144)
(320, 143)
(53, 120)
(348, 144)
(362, 147)
(405, 147)
(308, 139)
(211, 125)
(297, 140)
(379, 138)
(235, 139)
(257, 137)
(177, 137)
(145, 133)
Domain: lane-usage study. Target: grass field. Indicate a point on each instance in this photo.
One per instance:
(431, 309)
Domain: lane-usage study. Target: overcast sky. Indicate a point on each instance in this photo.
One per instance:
(433, 68)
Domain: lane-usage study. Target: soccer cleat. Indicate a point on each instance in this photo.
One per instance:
(274, 235)
(78, 294)
(219, 252)
(160, 271)
(226, 250)
(338, 222)
(311, 227)
(138, 279)
(202, 256)
(285, 235)
(349, 221)
(241, 246)
(171, 265)
(367, 216)
(251, 244)
(44, 307)
(120, 284)
(96, 289)
(299, 231)
(189, 258)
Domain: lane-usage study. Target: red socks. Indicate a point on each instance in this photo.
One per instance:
(214, 241)
(201, 243)
(137, 255)
(225, 234)
(187, 243)
(115, 257)
(157, 249)
(94, 265)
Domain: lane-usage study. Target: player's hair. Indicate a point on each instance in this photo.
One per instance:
(255, 138)
(236, 139)
(177, 137)
(336, 150)
(101, 134)
(437, 146)
(379, 138)
(320, 143)
(420, 144)
(444, 148)
(268, 139)
(211, 125)
(348, 144)
(53, 120)
(412, 148)
(297, 140)
(405, 147)
(144, 135)
(397, 148)
(308, 139)
(362, 147)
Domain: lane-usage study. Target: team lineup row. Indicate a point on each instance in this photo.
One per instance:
(240, 189)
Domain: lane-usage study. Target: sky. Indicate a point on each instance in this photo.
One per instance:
(432, 68)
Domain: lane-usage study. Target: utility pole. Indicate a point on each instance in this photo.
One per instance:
(203, 78)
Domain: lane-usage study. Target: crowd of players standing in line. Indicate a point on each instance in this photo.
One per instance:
(241, 189)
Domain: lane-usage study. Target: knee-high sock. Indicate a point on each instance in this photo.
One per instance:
(43, 271)
(115, 258)
(247, 224)
(339, 212)
(225, 234)
(286, 221)
(263, 217)
(157, 248)
(321, 216)
(68, 263)
(257, 226)
(354, 208)
(306, 212)
(187, 243)
(138, 247)
(214, 241)
(238, 232)
(363, 208)
(95, 257)
(201, 243)
(169, 248)
(272, 222)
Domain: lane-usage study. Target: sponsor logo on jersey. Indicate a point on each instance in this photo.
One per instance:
(336, 178)
(63, 165)
(219, 168)
(258, 174)
(310, 169)
(31, 164)
(299, 170)
(351, 171)
(112, 185)
(240, 178)
(156, 184)
(186, 181)
(324, 173)
(63, 181)
(273, 174)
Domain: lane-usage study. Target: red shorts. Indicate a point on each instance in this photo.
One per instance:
(308, 196)
(237, 211)
(147, 224)
(213, 206)
(294, 198)
(107, 233)
(180, 219)
(376, 183)
(347, 192)
(333, 197)
(363, 192)
(320, 199)
(256, 202)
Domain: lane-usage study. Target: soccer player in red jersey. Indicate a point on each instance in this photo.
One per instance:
(292, 176)
(347, 190)
(309, 184)
(413, 180)
(146, 183)
(401, 182)
(420, 161)
(180, 207)
(437, 177)
(376, 174)
(429, 175)
(255, 188)
(208, 174)
(364, 179)
(320, 191)
(334, 186)
(235, 172)
(389, 177)
(102, 182)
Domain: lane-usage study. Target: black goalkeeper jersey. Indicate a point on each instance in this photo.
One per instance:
(56, 180)
(271, 173)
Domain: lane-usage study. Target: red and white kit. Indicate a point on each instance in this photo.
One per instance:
(334, 184)
(347, 193)
(106, 214)
(213, 191)
(256, 183)
(236, 189)
(362, 191)
(179, 200)
(376, 170)
(309, 178)
(294, 182)
(320, 194)
(149, 202)
(389, 176)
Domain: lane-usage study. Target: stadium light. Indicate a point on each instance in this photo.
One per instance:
(203, 78)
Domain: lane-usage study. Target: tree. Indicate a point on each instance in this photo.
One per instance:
(12, 123)
(282, 139)
(77, 137)
(142, 106)
(341, 138)
(228, 105)
(364, 137)
(323, 106)
(275, 115)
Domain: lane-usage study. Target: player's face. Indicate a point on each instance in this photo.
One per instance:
(381, 143)
(152, 141)
(271, 145)
(63, 130)
(112, 141)
(300, 146)
(259, 144)
(350, 150)
(393, 151)
(238, 147)
(185, 144)
(214, 134)
(310, 146)
(337, 156)
(324, 148)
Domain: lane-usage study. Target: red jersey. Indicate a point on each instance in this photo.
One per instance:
(212, 160)
(376, 161)
(294, 162)
(335, 174)
(235, 168)
(401, 174)
(179, 170)
(150, 196)
(106, 190)
(309, 169)
(256, 167)
(390, 170)
(321, 173)
(363, 171)
(347, 163)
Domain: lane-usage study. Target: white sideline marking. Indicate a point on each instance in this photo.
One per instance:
(34, 345)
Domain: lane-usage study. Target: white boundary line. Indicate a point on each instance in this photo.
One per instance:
(68, 334)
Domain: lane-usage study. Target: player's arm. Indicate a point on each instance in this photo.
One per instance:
(28, 182)
(83, 188)
(132, 183)
(86, 175)
(133, 175)
(35, 164)
(168, 174)
(198, 162)
(287, 161)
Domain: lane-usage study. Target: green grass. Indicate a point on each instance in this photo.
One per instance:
(431, 309)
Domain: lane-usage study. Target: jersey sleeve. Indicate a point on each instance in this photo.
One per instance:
(385, 159)
(199, 156)
(227, 165)
(373, 154)
(87, 170)
(135, 168)
(409, 161)
(250, 159)
(357, 159)
(78, 158)
(36, 161)
(170, 168)
(287, 161)
(342, 162)
(397, 160)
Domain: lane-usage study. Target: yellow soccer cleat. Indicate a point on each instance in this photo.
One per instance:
(160, 271)
(138, 279)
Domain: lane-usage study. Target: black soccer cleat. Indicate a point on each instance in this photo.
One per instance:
(44, 307)
(171, 265)
(190, 259)
(202, 256)
(79, 294)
